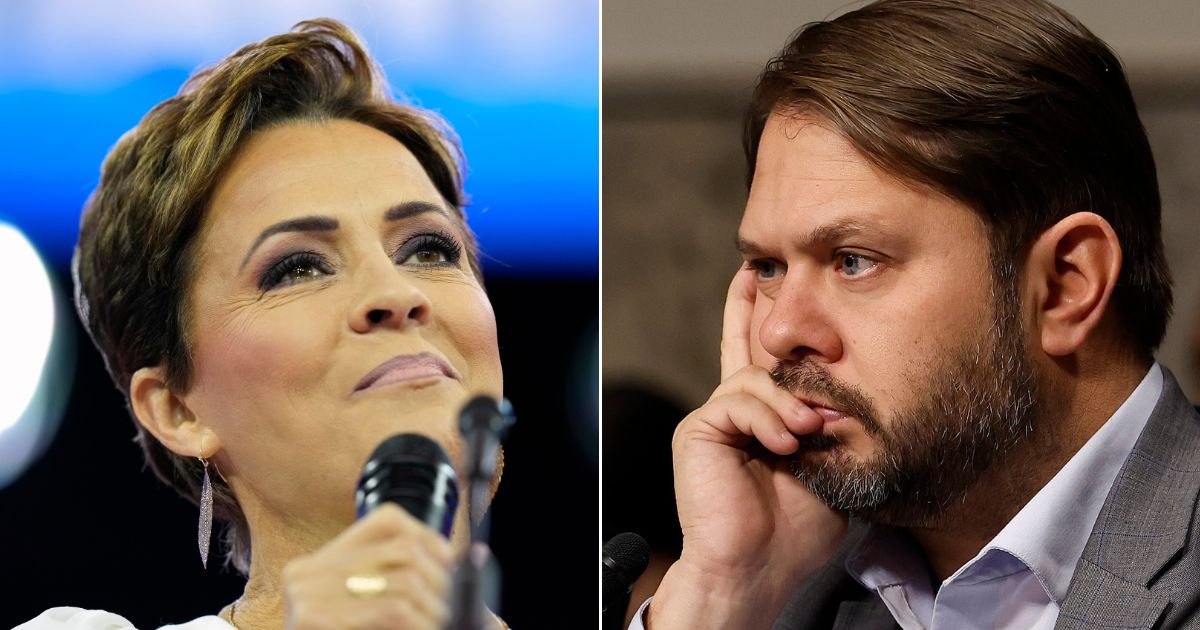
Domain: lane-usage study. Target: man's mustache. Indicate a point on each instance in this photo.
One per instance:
(809, 381)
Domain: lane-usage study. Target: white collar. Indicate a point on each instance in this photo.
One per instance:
(1050, 532)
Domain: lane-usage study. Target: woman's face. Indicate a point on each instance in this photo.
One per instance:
(327, 252)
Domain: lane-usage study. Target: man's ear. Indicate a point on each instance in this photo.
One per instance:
(165, 415)
(1071, 271)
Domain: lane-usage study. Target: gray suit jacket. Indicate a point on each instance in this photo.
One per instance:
(1141, 566)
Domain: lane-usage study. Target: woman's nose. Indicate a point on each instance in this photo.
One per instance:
(390, 300)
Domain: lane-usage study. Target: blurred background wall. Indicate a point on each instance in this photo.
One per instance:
(677, 76)
(82, 523)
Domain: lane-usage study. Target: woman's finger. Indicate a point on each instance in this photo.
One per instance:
(386, 522)
(407, 601)
(399, 554)
(383, 614)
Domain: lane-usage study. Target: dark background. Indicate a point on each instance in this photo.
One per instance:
(89, 526)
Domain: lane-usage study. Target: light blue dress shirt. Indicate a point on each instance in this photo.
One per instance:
(1019, 579)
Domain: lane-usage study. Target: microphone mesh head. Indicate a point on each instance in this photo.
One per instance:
(414, 472)
(624, 558)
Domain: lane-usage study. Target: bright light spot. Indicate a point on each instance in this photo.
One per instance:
(26, 324)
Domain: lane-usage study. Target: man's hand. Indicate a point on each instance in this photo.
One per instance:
(751, 531)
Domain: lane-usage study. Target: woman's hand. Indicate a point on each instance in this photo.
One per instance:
(751, 531)
(412, 560)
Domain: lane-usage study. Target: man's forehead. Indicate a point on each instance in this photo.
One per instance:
(802, 163)
(812, 186)
(810, 181)
(812, 138)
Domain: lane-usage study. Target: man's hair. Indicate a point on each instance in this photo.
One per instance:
(1010, 106)
(139, 233)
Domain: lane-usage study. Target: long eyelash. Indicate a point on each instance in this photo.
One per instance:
(276, 272)
(435, 239)
(758, 265)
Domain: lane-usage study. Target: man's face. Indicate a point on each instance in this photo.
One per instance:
(878, 306)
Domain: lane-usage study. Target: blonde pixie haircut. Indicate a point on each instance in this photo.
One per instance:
(138, 236)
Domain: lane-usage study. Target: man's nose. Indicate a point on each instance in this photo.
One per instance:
(800, 324)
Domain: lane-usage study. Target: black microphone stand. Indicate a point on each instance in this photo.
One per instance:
(483, 423)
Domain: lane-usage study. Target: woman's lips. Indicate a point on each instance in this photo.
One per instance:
(407, 367)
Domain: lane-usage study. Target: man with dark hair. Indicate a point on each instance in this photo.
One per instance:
(939, 404)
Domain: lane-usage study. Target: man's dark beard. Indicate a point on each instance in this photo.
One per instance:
(976, 402)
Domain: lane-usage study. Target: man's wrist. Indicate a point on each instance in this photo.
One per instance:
(692, 598)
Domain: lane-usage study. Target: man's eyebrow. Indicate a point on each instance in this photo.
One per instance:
(833, 232)
(829, 233)
(747, 248)
(301, 224)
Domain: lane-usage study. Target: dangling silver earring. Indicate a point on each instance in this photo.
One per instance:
(205, 515)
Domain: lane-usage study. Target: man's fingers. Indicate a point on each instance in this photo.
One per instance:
(735, 330)
(737, 417)
(757, 382)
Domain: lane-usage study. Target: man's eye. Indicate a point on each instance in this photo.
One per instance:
(765, 269)
(854, 264)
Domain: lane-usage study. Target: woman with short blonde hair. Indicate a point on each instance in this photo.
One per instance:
(277, 270)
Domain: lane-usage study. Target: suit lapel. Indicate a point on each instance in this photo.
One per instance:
(1143, 525)
(830, 598)
(871, 615)
(1097, 594)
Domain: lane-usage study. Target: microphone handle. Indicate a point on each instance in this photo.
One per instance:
(467, 604)
(483, 446)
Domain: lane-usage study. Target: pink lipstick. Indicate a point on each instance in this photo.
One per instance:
(407, 367)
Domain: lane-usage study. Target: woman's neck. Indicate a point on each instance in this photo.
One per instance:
(275, 543)
(277, 539)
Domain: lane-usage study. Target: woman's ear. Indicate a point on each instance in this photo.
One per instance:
(167, 417)
(1072, 270)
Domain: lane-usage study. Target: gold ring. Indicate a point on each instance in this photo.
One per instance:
(366, 584)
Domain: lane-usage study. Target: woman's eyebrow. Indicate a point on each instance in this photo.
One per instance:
(412, 208)
(301, 224)
(328, 224)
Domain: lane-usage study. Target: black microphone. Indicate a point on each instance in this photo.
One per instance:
(414, 472)
(483, 423)
(624, 558)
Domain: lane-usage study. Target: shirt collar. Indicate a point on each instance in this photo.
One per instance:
(1049, 534)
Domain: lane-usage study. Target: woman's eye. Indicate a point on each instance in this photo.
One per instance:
(854, 264)
(430, 250)
(428, 257)
(292, 269)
